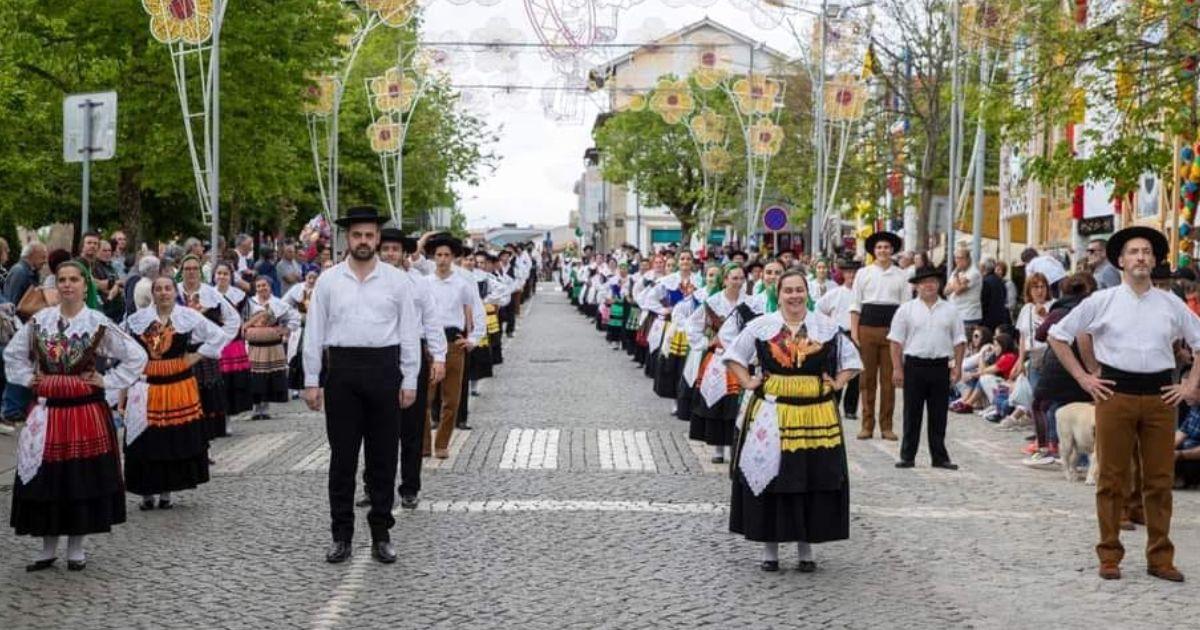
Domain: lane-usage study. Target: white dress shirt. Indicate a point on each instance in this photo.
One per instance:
(928, 332)
(876, 285)
(453, 296)
(376, 312)
(968, 302)
(835, 304)
(434, 335)
(1131, 332)
(1048, 266)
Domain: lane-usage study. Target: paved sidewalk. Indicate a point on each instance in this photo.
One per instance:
(577, 501)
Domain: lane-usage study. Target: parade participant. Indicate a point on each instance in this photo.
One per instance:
(680, 315)
(928, 338)
(204, 299)
(172, 453)
(789, 467)
(494, 335)
(878, 291)
(1133, 329)
(820, 280)
(235, 363)
(617, 298)
(455, 299)
(646, 317)
(835, 304)
(662, 298)
(363, 330)
(491, 294)
(70, 484)
(298, 298)
(712, 415)
(269, 322)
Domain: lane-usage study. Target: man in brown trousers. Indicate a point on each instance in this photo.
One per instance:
(1133, 327)
(879, 289)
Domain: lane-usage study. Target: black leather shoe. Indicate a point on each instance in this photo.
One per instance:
(770, 566)
(946, 465)
(904, 464)
(339, 552)
(76, 565)
(409, 501)
(383, 551)
(718, 459)
(807, 566)
(363, 502)
(40, 565)
(463, 427)
(165, 504)
(146, 504)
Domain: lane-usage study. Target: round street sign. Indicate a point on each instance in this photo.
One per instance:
(775, 218)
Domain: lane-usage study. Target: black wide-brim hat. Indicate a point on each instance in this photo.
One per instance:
(894, 239)
(391, 235)
(926, 272)
(362, 214)
(847, 264)
(1161, 271)
(1158, 242)
(443, 239)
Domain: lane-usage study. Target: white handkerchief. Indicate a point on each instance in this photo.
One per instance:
(713, 386)
(135, 410)
(32, 442)
(759, 461)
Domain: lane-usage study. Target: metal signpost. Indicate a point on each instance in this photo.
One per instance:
(775, 219)
(89, 133)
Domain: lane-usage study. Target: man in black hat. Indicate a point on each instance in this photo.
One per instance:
(362, 328)
(836, 305)
(879, 290)
(1134, 329)
(926, 335)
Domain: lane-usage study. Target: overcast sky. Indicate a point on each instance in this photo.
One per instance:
(540, 159)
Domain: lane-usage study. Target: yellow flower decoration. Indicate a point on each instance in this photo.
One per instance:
(171, 21)
(716, 160)
(756, 94)
(636, 103)
(394, 91)
(766, 138)
(710, 69)
(672, 100)
(708, 127)
(319, 96)
(384, 135)
(394, 13)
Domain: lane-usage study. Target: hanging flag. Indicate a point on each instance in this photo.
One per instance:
(869, 63)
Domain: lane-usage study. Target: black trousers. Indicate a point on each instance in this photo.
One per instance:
(362, 409)
(926, 389)
(465, 392)
(412, 422)
(850, 397)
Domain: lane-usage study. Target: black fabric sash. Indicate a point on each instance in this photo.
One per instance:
(878, 315)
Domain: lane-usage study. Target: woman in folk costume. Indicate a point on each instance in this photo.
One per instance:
(617, 298)
(661, 299)
(790, 482)
(234, 362)
(646, 317)
(766, 294)
(480, 362)
(680, 315)
(68, 480)
(715, 405)
(205, 300)
(597, 292)
(171, 454)
(299, 297)
(492, 311)
(269, 321)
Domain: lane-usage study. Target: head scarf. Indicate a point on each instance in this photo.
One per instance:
(718, 283)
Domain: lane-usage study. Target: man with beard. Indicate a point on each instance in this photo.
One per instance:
(1133, 328)
(363, 329)
(392, 249)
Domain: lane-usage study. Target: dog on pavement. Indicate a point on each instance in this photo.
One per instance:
(1077, 436)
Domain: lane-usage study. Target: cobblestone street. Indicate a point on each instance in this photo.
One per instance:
(578, 501)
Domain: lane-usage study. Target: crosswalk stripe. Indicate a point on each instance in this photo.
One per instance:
(250, 450)
(530, 449)
(625, 450)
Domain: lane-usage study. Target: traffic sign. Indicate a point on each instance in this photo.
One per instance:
(101, 143)
(775, 219)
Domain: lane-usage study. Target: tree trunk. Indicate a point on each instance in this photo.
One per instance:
(129, 203)
(686, 216)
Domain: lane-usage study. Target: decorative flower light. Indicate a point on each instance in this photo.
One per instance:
(637, 103)
(708, 127)
(756, 94)
(716, 160)
(766, 138)
(394, 13)
(319, 96)
(384, 135)
(171, 21)
(672, 100)
(711, 69)
(394, 91)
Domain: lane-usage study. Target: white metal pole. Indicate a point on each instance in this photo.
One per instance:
(980, 153)
(87, 162)
(954, 139)
(818, 218)
(214, 167)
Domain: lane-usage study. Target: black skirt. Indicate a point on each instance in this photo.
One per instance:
(683, 400)
(495, 342)
(237, 392)
(666, 376)
(213, 397)
(813, 517)
(713, 425)
(166, 459)
(650, 367)
(480, 365)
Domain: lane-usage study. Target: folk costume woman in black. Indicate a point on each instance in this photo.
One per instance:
(68, 480)
(790, 482)
(205, 300)
(235, 363)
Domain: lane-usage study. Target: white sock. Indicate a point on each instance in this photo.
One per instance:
(75, 548)
(166, 496)
(805, 550)
(770, 552)
(49, 548)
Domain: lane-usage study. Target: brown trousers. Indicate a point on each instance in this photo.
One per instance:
(449, 391)
(1124, 424)
(876, 354)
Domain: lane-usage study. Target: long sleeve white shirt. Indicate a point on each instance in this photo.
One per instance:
(20, 366)
(376, 312)
(453, 297)
(211, 338)
(434, 335)
(209, 297)
(835, 304)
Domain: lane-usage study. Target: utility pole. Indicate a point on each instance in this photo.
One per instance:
(980, 163)
(954, 136)
(214, 163)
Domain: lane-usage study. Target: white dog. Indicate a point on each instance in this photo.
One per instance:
(1077, 436)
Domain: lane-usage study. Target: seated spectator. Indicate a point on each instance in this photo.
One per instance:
(979, 354)
(1187, 450)
(991, 377)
